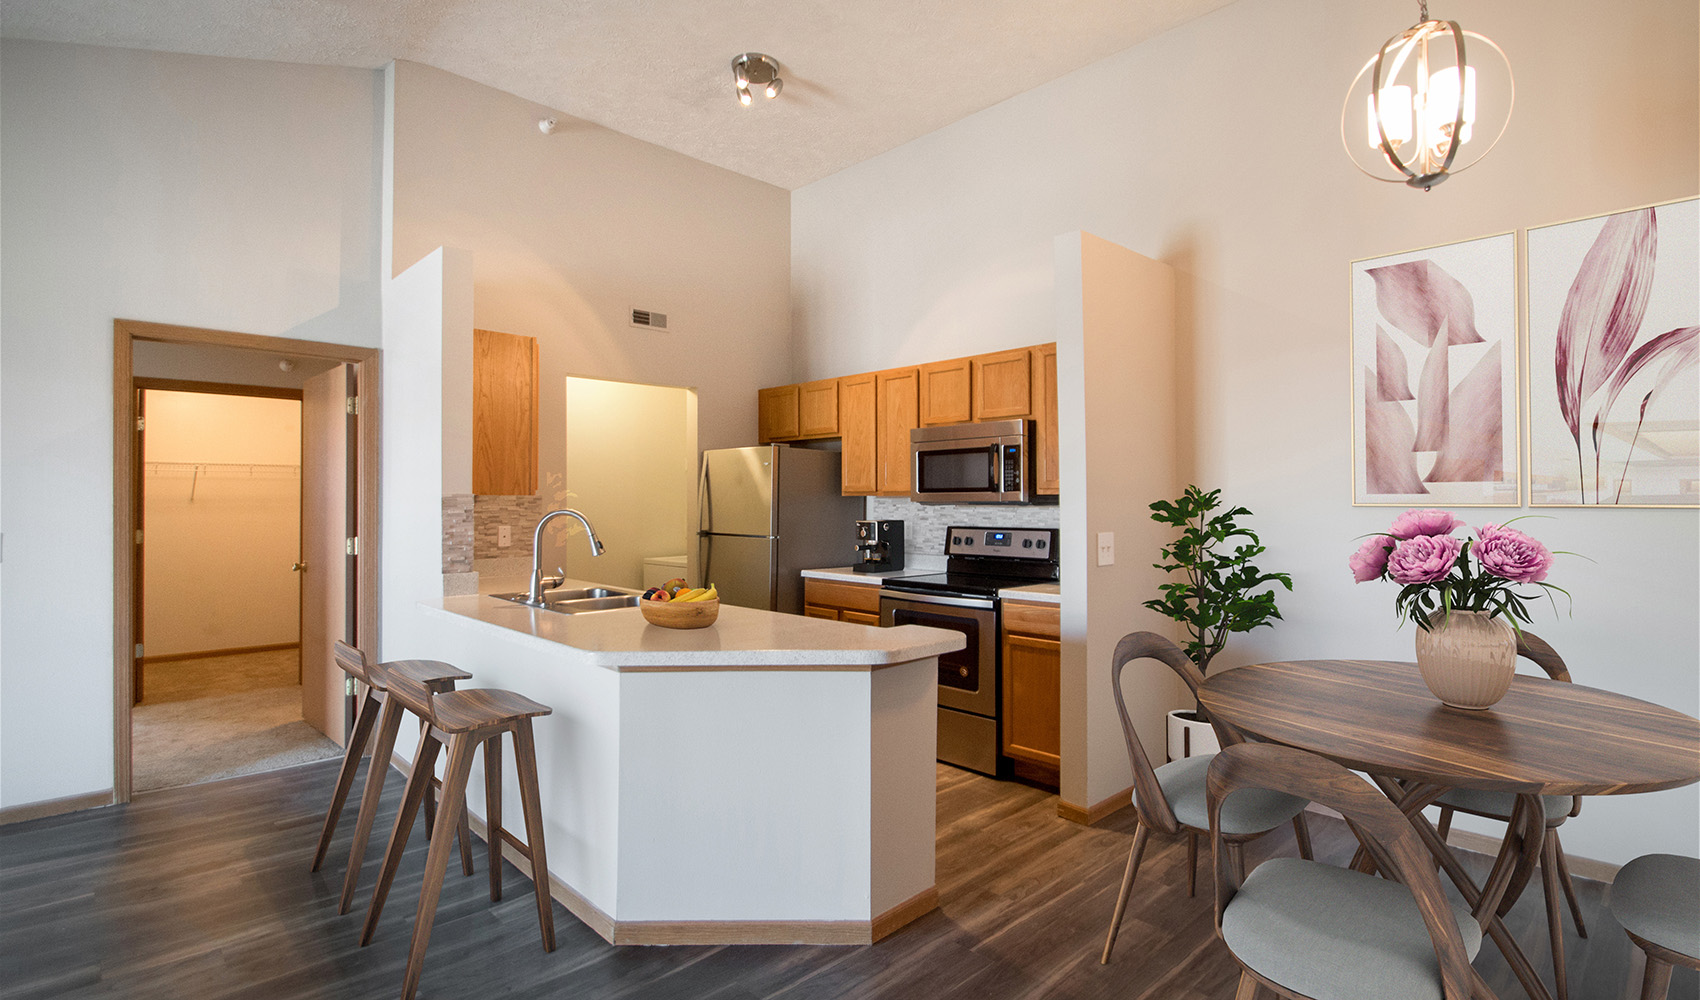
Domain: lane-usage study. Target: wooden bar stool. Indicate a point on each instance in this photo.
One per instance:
(464, 721)
(435, 674)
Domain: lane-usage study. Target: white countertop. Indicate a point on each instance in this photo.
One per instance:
(1037, 593)
(622, 640)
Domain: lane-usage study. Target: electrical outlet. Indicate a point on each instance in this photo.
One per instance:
(504, 536)
(1106, 548)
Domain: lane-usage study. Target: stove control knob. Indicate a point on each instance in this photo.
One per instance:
(1027, 543)
(1041, 543)
(962, 670)
(956, 539)
(969, 541)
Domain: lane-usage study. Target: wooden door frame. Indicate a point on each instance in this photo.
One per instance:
(125, 333)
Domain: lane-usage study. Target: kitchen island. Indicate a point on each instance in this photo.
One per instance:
(767, 779)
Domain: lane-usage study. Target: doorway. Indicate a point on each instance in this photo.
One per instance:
(218, 691)
(334, 555)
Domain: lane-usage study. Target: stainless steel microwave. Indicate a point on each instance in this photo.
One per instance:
(974, 463)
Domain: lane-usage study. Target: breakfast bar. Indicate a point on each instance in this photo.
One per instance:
(767, 779)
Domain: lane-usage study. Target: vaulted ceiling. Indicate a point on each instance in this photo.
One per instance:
(861, 76)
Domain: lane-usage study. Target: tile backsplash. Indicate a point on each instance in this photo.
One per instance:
(925, 524)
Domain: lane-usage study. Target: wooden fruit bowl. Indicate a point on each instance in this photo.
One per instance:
(685, 614)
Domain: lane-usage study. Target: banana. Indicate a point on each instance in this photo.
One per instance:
(708, 594)
(689, 595)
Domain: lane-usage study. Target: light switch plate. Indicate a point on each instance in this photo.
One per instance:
(1106, 548)
(504, 536)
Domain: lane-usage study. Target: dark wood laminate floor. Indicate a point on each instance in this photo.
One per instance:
(203, 892)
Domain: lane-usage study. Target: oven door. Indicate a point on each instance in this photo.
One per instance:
(968, 677)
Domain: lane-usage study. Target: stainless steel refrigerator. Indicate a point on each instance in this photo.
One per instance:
(767, 513)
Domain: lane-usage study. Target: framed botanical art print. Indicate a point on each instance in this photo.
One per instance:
(1434, 376)
(1614, 359)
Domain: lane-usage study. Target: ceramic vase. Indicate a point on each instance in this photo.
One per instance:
(1190, 736)
(1467, 658)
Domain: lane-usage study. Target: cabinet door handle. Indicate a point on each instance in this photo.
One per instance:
(299, 567)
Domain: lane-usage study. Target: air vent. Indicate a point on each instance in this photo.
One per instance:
(653, 320)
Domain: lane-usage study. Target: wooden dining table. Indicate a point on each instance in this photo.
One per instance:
(1543, 738)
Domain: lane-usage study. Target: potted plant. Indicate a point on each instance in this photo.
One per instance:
(1217, 594)
(1461, 592)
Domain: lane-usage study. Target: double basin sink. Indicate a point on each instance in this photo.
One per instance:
(578, 600)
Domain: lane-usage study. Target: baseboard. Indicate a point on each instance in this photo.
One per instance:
(906, 913)
(206, 654)
(1089, 815)
(708, 932)
(54, 807)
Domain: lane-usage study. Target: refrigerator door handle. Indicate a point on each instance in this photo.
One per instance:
(702, 499)
(705, 554)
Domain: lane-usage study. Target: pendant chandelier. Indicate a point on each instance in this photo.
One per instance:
(1427, 119)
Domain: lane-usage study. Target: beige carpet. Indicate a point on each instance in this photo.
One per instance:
(220, 717)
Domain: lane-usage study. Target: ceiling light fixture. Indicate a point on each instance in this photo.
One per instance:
(754, 70)
(1419, 101)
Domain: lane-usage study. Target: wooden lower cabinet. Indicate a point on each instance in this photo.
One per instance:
(857, 603)
(1032, 684)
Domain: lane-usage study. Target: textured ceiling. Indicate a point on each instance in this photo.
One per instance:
(861, 76)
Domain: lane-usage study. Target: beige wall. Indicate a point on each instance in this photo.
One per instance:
(569, 232)
(1215, 148)
(222, 193)
(220, 540)
(631, 457)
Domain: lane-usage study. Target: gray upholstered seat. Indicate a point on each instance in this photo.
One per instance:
(1252, 810)
(1656, 897)
(1336, 934)
(1499, 804)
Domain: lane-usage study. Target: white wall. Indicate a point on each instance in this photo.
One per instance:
(569, 232)
(220, 541)
(1215, 148)
(222, 193)
(631, 457)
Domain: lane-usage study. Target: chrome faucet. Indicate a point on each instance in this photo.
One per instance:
(534, 596)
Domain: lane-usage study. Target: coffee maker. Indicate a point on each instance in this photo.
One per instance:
(879, 546)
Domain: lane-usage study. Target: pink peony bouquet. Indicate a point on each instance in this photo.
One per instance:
(1438, 571)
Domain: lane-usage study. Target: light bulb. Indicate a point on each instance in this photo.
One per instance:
(742, 75)
(773, 88)
(1443, 98)
(744, 96)
(1395, 116)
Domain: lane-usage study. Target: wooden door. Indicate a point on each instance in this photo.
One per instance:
(899, 408)
(138, 458)
(947, 392)
(1045, 413)
(858, 419)
(776, 414)
(817, 408)
(1032, 723)
(325, 529)
(504, 414)
(1003, 385)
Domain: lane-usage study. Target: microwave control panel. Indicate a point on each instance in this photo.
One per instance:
(1010, 543)
(1011, 468)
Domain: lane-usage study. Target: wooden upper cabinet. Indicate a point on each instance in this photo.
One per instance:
(504, 414)
(947, 392)
(817, 408)
(899, 413)
(1049, 473)
(1003, 385)
(776, 414)
(858, 420)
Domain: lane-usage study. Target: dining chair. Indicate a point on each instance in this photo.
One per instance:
(1656, 898)
(1555, 870)
(1310, 931)
(1170, 798)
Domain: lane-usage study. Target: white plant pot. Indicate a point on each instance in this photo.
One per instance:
(1190, 737)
